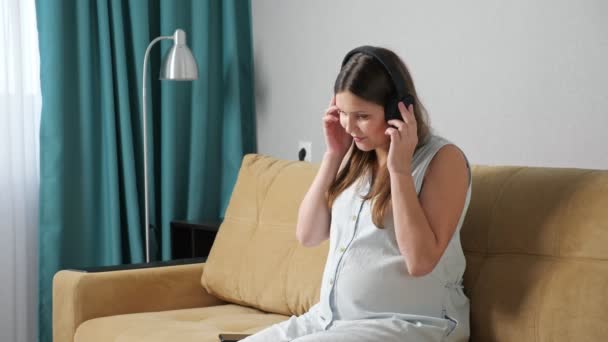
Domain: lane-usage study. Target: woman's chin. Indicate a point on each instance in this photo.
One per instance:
(363, 146)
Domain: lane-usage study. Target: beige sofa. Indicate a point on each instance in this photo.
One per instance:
(536, 242)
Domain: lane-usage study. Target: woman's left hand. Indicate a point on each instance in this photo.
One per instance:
(404, 139)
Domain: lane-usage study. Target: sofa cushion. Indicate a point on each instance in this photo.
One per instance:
(187, 325)
(256, 259)
(537, 264)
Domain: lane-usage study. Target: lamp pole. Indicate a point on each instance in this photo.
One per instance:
(179, 65)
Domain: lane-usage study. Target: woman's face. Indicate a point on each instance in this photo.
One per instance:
(363, 119)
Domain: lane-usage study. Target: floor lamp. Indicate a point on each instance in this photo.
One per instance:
(177, 65)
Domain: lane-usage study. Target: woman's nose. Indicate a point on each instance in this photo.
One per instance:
(349, 124)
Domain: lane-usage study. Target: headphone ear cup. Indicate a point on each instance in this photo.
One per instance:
(391, 110)
(408, 100)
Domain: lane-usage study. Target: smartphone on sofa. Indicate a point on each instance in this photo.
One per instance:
(232, 337)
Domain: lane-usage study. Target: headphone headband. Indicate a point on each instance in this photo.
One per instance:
(391, 110)
(390, 67)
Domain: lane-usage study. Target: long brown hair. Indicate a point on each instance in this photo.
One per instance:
(366, 78)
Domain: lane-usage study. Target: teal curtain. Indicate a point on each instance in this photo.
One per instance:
(91, 172)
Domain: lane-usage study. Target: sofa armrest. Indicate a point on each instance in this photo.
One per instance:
(79, 296)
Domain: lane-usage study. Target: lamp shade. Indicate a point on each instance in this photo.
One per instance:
(179, 63)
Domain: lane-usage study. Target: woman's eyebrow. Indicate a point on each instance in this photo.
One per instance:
(355, 112)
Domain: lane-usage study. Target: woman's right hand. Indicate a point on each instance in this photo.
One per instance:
(337, 140)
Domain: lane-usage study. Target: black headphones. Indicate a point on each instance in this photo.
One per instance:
(391, 109)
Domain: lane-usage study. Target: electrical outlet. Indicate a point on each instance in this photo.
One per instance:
(307, 146)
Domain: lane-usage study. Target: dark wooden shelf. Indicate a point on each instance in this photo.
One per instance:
(192, 239)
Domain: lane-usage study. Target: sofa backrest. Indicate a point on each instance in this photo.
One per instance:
(536, 244)
(535, 239)
(255, 259)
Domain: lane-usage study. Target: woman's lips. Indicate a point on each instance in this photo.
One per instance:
(357, 139)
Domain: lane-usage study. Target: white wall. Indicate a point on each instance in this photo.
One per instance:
(511, 82)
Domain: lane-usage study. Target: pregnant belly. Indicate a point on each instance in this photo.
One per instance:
(383, 285)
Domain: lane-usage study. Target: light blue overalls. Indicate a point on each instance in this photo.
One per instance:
(367, 294)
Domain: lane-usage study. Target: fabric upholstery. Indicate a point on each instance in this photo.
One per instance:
(186, 325)
(81, 296)
(258, 233)
(534, 238)
(537, 263)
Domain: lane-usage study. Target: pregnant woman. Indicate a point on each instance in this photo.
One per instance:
(391, 197)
